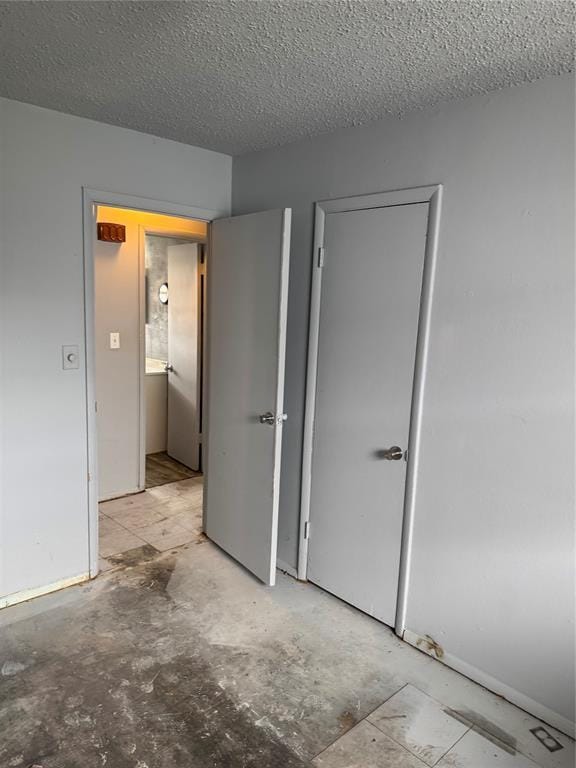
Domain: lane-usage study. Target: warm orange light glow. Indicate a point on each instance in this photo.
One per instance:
(154, 222)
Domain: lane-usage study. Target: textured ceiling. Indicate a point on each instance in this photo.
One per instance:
(237, 75)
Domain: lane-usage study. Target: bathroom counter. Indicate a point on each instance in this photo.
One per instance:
(155, 366)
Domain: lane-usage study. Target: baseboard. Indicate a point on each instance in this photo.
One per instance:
(285, 568)
(29, 594)
(428, 646)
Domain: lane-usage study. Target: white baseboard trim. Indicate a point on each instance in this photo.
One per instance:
(548, 716)
(29, 594)
(282, 566)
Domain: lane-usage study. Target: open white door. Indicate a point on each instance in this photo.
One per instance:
(183, 345)
(247, 307)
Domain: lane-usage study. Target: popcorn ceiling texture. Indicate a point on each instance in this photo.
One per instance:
(240, 75)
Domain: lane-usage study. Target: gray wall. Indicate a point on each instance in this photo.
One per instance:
(492, 575)
(46, 158)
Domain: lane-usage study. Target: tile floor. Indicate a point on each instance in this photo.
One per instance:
(413, 730)
(160, 519)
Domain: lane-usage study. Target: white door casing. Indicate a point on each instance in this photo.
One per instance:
(91, 199)
(432, 196)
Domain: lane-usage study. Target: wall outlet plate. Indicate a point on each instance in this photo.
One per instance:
(115, 340)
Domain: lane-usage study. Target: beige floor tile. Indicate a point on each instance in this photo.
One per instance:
(134, 519)
(166, 535)
(190, 489)
(190, 519)
(135, 501)
(114, 542)
(475, 751)
(160, 492)
(108, 526)
(419, 723)
(366, 747)
(175, 505)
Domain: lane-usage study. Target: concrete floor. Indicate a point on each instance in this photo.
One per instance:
(182, 658)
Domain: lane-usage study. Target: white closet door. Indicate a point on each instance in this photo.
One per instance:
(371, 285)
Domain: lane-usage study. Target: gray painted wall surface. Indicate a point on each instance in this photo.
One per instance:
(46, 159)
(493, 569)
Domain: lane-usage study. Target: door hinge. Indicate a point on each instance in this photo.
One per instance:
(307, 529)
(96, 406)
(321, 253)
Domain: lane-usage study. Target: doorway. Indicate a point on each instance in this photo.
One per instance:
(372, 285)
(240, 331)
(149, 302)
(147, 404)
(174, 344)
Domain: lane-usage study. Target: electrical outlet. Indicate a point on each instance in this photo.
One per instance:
(115, 340)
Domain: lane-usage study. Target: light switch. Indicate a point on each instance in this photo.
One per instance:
(115, 340)
(70, 357)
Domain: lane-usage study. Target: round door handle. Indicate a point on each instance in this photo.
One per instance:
(168, 368)
(395, 453)
(271, 419)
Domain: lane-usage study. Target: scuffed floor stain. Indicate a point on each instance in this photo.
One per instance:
(156, 574)
(430, 646)
(10, 668)
(485, 728)
(133, 556)
(346, 721)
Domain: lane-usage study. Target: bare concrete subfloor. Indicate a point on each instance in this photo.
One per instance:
(184, 659)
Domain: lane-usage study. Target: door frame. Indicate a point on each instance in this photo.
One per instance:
(91, 198)
(158, 231)
(432, 195)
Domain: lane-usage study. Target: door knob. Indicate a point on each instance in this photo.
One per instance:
(391, 454)
(168, 368)
(269, 418)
